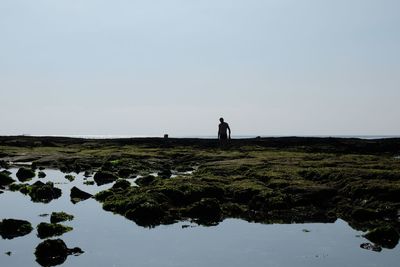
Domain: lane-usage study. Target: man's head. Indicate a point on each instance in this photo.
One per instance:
(221, 120)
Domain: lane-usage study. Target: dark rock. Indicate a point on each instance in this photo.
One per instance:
(146, 180)
(104, 177)
(11, 228)
(24, 174)
(4, 164)
(372, 247)
(124, 173)
(207, 211)
(361, 214)
(87, 174)
(121, 184)
(46, 230)
(88, 182)
(40, 192)
(78, 195)
(54, 252)
(5, 179)
(57, 217)
(385, 236)
(41, 174)
(166, 173)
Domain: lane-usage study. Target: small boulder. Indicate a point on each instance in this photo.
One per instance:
(54, 252)
(41, 174)
(11, 228)
(46, 230)
(5, 179)
(40, 192)
(146, 180)
(25, 174)
(165, 173)
(121, 184)
(104, 177)
(78, 195)
(70, 177)
(125, 173)
(57, 217)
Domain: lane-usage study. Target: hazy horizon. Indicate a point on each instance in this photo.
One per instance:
(145, 68)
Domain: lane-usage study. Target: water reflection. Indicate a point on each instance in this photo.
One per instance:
(112, 240)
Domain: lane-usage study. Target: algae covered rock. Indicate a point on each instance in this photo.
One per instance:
(44, 192)
(104, 177)
(46, 230)
(70, 177)
(5, 178)
(146, 180)
(385, 236)
(121, 184)
(57, 217)
(78, 195)
(25, 174)
(11, 228)
(54, 252)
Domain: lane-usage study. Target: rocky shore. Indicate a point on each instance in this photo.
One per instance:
(270, 180)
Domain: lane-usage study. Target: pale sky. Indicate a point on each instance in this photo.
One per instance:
(269, 67)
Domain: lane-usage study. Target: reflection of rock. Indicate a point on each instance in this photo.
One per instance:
(54, 252)
(104, 177)
(11, 228)
(207, 211)
(57, 217)
(372, 247)
(25, 174)
(46, 230)
(40, 192)
(5, 179)
(385, 236)
(146, 214)
(78, 195)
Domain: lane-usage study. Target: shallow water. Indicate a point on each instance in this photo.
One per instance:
(112, 240)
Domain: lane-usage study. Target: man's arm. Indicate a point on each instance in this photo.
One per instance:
(229, 130)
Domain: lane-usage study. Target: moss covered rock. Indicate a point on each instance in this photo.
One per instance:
(25, 174)
(104, 177)
(57, 217)
(46, 230)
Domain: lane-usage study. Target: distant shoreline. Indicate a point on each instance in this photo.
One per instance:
(205, 137)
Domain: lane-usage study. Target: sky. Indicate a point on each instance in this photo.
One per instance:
(150, 67)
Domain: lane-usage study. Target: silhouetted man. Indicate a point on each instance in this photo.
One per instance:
(222, 130)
